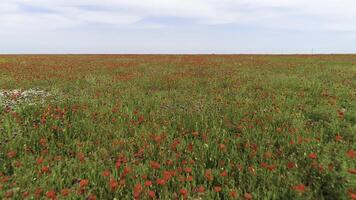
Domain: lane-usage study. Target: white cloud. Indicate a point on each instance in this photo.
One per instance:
(8, 7)
(27, 15)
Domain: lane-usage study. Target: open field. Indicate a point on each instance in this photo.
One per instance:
(178, 127)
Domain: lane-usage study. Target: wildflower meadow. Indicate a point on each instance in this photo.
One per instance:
(178, 127)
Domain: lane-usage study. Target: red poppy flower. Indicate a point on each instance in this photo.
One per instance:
(118, 165)
(38, 193)
(25, 194)
(189, 178)
(113, 184)
(151, 194)
(188, 170)
(81, 157)
(11, 154)
(217, 189)
(222, 146)
(248, 196)
(173, 173)
(92, 197)
(201, 189)
(180, 169)
(233, 194)
(5, 179)
(161, 181)
(271, 167)
(351, 154)
(183, 192)
(43, 142)
(51, 195)
(224, 174)
(126, 171)
(299, 188)
(351, 171)
(106, 173)
(137, 190)
(167, 175)
(44, 152)
(155, 165)
(331, 167)
(209, 175)
(312, 155)
(338, 138)
(9, 194)
(169, 162)
(39, 161)
(300, 140)
(291, 165)
(83, 183)
(263, 164)
(18, 164)
(352, 194)
(148, 183)
(45, 169)
(65, 192)
(190, 147)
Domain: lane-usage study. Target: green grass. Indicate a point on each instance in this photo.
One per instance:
(249, 116)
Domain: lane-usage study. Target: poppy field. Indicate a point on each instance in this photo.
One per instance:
(178, 127)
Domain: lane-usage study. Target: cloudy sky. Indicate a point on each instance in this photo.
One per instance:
(177, 26)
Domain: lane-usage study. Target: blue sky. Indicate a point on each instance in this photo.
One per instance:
(177, 26)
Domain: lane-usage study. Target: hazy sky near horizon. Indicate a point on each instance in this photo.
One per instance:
(178, 26)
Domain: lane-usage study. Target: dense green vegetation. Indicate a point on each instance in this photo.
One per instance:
(171, 127)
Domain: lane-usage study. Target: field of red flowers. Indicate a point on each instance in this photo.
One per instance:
(177, 127)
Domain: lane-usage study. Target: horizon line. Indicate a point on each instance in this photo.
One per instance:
(19, 54)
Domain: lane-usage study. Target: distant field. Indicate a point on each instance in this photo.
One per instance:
(178, 127)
